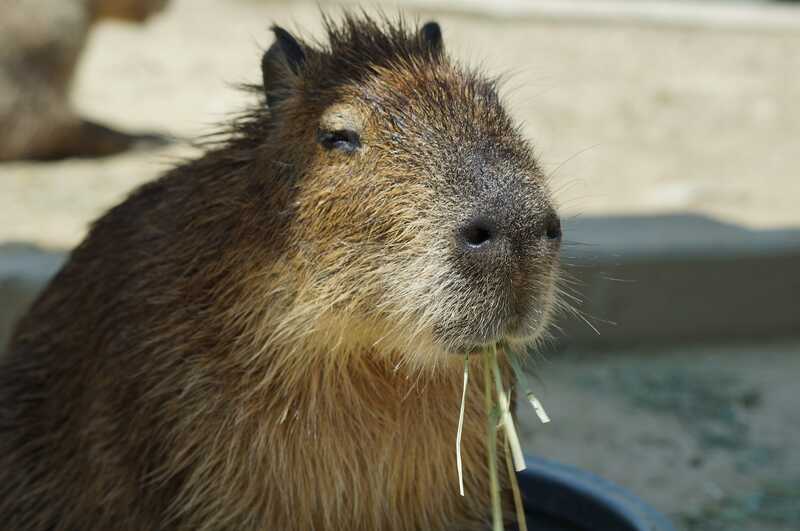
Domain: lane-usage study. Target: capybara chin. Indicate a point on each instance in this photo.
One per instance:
(271, 337)
(41, 42)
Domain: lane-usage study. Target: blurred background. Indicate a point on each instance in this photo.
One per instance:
(671, 134)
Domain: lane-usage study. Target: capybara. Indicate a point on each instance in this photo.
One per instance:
(272, 336)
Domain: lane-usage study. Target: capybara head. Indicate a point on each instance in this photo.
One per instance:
(131, 10)
(420, 218)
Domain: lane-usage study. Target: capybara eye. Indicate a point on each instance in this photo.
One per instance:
(345, 140)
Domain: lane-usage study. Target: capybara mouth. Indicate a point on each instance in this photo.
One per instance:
(519, 325)
(474, 349)
(515, 330)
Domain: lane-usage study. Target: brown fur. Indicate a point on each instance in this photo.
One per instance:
(41, 42)
(264, 338)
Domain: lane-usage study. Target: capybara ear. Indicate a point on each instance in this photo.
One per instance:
(283, 60)
(431, 33)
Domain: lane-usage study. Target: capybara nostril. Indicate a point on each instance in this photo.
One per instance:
(553, 227)
(477, 233)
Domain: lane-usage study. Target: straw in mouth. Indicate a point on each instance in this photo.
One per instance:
(498, 415)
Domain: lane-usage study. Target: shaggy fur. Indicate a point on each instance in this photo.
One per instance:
(41, 42)
(267, 338)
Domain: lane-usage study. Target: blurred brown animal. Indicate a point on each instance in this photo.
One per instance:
(272, 336)
(41, 42)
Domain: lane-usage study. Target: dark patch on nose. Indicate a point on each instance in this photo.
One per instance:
(505, 241)
(553, 227)
(484, 244)
(478, 233)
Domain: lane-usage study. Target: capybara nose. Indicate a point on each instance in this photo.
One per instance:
(488, 242)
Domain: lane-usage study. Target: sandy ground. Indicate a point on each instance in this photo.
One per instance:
(626, 118)
(706, 434)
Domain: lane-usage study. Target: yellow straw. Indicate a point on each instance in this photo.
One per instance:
(461, 427)
(508, 422)
(491, 433)
(520, 509)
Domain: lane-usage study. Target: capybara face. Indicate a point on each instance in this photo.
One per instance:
(422, 217)
(130, 10)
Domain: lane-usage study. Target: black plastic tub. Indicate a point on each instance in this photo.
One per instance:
(562, 498)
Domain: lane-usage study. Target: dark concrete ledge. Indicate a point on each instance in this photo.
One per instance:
(679, 278)
(649, 279)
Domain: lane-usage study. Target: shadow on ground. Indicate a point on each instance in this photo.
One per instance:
(704, 433)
